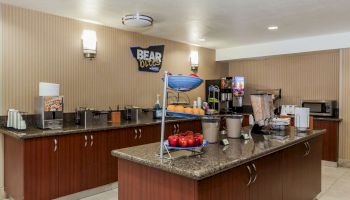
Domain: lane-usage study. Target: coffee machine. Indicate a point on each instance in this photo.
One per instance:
(49, 112)
(226, 95)
(230, 94)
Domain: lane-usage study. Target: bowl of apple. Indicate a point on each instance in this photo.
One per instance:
(186, 141)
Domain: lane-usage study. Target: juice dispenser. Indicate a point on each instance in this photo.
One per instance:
(49, 112)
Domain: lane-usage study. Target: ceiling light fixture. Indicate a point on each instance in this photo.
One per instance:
(137, 20)
(201, 39)
(272, 28)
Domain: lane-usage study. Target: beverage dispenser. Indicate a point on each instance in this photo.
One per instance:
(238, 93)
(225, 95)
(49, 112)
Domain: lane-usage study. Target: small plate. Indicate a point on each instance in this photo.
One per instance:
(205, 143)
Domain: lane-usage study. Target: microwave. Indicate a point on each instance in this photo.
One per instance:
(326, 108)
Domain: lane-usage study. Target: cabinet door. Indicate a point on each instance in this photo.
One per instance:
(330, 139)
(70, 163)
(114, 140)
(312, 169)
(132, 137)
(228, 185)
(267, 183)
(170, 129)
(293, 167)
(151, 134)
(41, 168)
(94, 160)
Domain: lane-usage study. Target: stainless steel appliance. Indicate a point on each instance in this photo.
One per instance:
(87, 117)
(229, 94)
(131, 113)
(325, 108)
(49, 112)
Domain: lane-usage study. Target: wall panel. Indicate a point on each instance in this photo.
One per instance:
(301, 76)
(344, 132)
(43, 47)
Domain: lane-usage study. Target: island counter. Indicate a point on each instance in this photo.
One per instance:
(262, 168)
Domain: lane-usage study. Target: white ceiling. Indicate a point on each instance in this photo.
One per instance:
(223, 23)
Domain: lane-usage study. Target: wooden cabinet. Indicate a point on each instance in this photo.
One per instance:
(229, 185)
(93, 160)
(257, 180)
(301, 166)
(290, 174)
(70, 163)
(267, 178)
(51, 167)
(178, 127)
(330, 139)
(31, 168)
(41, 160)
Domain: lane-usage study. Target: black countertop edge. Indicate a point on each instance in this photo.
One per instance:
(72, 129)
(200, 176)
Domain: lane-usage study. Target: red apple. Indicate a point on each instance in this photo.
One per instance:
(190, 142)
(200, 137)
(173, 141)
(196, 141)
(183, 142)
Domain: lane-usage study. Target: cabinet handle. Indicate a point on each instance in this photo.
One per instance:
(92, 140)
(135, 136)
(255, 173)
(308, 144)
(307, 149)
(178, 128)
(85, 140)
(55, 143)
(140, 131)
(175, 129)
(250, 175)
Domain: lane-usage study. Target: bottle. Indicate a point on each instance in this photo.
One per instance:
(157, 109)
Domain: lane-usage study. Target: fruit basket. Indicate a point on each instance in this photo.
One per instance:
(183, 83)
(185, 144)
(166, 143)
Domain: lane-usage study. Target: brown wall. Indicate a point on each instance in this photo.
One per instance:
(41, 47)
(301, 76)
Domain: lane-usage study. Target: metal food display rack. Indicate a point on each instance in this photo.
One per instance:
(178, 152)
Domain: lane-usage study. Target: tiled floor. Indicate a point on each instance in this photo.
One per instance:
(335, 186)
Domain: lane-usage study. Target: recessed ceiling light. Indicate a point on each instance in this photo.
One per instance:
(272, 27)
(201, 39)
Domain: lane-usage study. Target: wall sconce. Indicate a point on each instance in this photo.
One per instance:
(89, 41)
(194, 60)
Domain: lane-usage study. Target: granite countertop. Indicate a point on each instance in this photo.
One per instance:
(216, 158)
(33, 132)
